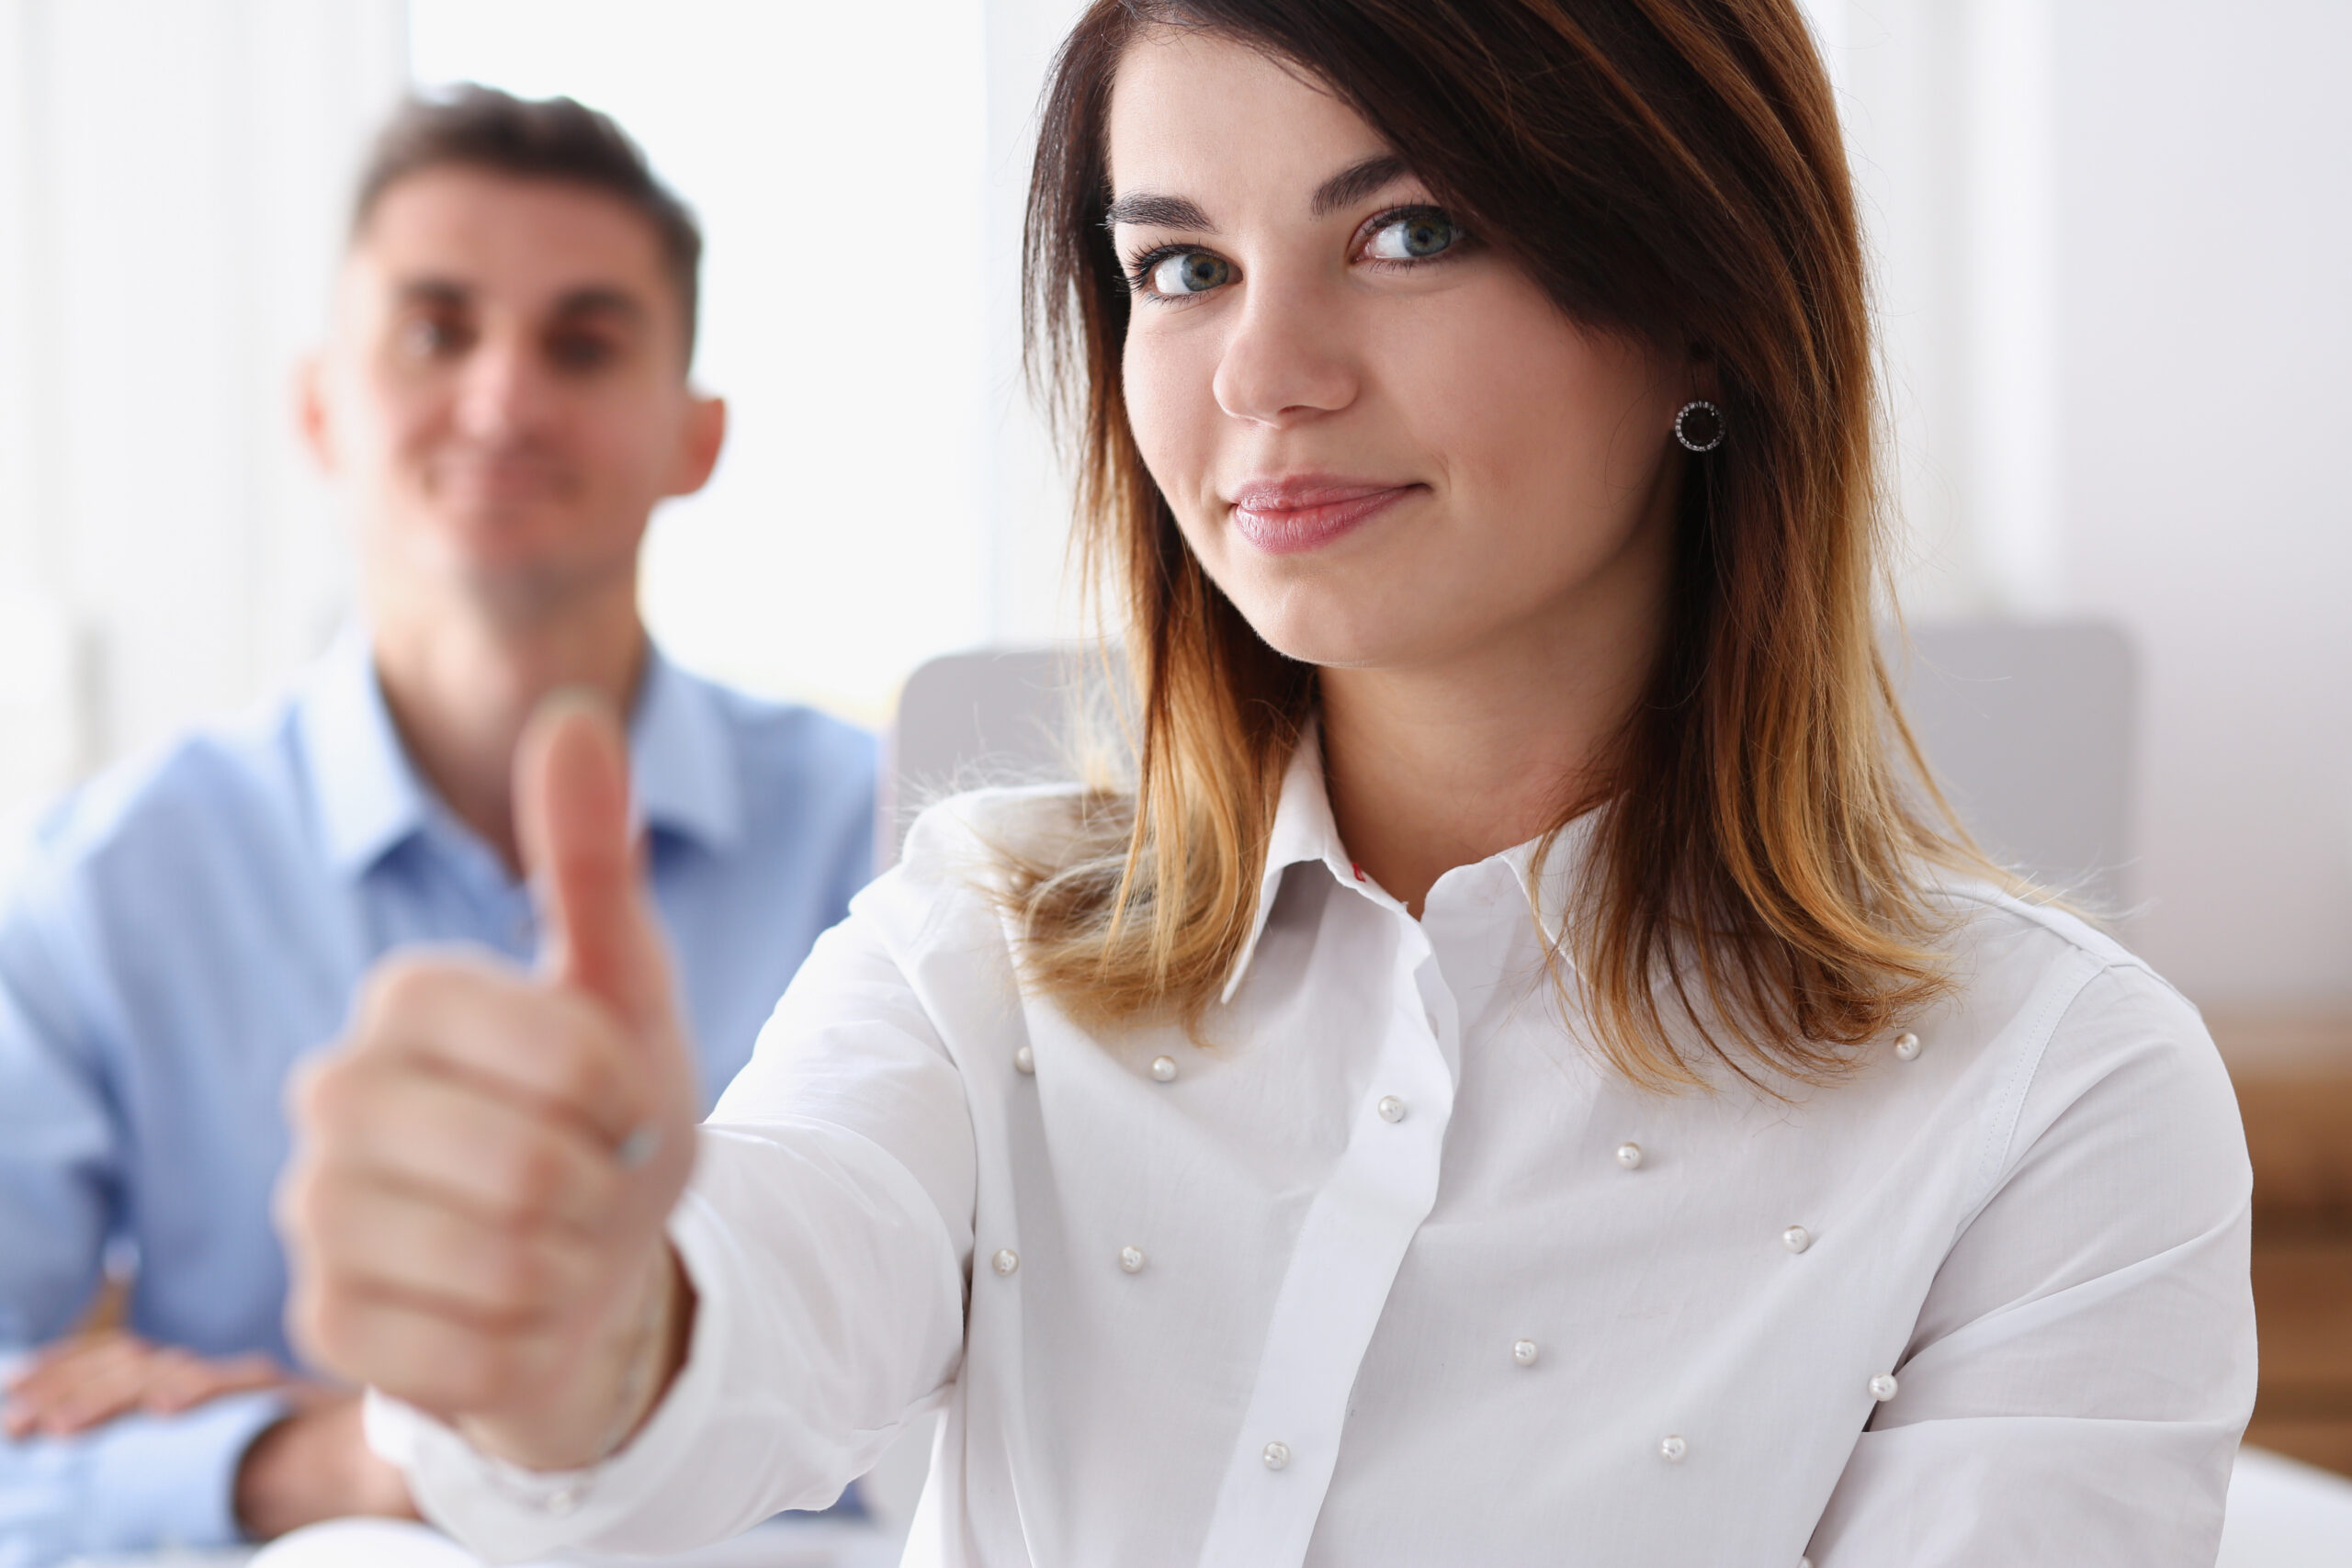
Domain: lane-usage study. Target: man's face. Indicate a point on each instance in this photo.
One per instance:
(505, 392)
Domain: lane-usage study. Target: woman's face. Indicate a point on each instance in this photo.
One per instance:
(1383, 441)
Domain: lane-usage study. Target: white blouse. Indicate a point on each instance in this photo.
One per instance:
(1386, 1268)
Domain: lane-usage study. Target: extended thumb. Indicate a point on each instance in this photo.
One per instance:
(572, 815)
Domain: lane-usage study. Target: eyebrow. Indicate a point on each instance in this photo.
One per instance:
(598, 300)
(433, 292)
(1158, 212)
(594, 299)
(1356, 182)
(1345, 188)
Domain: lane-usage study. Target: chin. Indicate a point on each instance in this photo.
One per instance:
(1340, 637)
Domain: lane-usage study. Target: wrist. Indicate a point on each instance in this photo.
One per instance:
(312, 1464)
(629, 1368)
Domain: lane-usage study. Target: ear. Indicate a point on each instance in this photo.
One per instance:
(1704, 379)
(310, 411)
(701, 434)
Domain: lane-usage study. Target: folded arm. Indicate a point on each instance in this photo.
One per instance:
(2084, 1362)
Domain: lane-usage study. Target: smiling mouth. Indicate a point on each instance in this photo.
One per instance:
(1293, 517)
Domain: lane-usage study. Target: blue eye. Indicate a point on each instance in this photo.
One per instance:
(1188, 272)
(1413, 236)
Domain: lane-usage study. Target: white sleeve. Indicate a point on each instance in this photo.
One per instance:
(2085, 1361)
(828, 1232)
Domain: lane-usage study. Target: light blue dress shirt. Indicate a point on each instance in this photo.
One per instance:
(186, 927)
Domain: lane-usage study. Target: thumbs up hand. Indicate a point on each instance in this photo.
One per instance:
(483, 1167)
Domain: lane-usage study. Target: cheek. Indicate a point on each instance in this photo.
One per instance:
(1530, 415)
(1167, 379)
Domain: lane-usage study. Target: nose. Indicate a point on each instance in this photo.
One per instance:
(504, 392)
(1289, 359)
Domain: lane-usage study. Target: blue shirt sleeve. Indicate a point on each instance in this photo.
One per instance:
(135, 1484)
(59, 1156)
(140, 1482)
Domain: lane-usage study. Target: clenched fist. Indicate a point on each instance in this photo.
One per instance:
(474, 1212)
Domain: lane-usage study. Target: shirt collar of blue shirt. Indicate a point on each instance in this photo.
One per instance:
(371, 798)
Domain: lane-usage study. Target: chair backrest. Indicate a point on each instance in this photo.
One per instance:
(993, 715)
(2027, 726)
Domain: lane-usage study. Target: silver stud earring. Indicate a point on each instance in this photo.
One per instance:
(1682, 425)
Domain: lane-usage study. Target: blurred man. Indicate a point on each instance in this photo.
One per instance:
(505, 399)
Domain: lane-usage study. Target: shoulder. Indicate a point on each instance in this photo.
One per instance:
(965, 855)
(780, 744)
(995, 833)
(2082, 1036)
(220, 787)
(789, 732)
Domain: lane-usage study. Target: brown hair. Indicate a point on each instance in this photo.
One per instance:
(1668, 169)
(542, 139)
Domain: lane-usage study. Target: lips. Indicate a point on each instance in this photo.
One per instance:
(1292, 516)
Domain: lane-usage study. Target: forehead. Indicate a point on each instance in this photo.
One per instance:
(522, 240)
(1192, 113)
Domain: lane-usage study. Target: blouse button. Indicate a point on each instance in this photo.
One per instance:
(1130, 1259)
(1629, 1156)
(1391, 1107)
(1005, 1261)
(1672, 1450)
(1906, 1045)
(1882, 1388)
(1796, 1238)
(1523, 1352)
(1163, 1068)
(1026, 1059)
(562, 1500)
(1276, 1455)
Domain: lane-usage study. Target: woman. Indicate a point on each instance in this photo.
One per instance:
(1516, 1079)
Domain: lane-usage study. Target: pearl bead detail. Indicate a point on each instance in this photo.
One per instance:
(1906, 1045)
(1026, 1059)
(1005, 1261)
(1130, 1259)
(1629, 1155)
(1523, 1352)
(1882, 1388)
(1276, 1455)
(562, 1500)
(1391, 1107)
(1672, 1450)
(1796, 1238)
(1163, 1069)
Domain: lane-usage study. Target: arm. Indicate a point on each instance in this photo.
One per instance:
(146, 1479)
(2085, 1361)
(475, 1213)
(826, 1238)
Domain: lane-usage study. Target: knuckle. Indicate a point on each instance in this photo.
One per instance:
(535, 1181)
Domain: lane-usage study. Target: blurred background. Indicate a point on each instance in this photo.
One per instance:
(2110, 238)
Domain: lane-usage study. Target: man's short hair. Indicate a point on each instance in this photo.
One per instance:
(535, 139)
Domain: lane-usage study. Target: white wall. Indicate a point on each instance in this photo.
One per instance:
(2205, 336)
(833, 155)
(172, 178)
(2111, 236)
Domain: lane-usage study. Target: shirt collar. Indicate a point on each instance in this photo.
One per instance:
(681, 757)
(1303, 832)
(371, 796)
